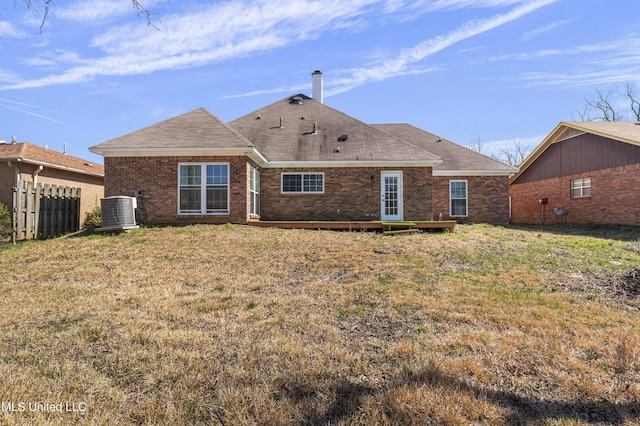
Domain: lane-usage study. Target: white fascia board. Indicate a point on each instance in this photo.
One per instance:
(57, 166)
(451, 173)
(173, 152)
(352, 163)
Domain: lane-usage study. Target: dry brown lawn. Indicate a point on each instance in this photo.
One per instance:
(229, 325)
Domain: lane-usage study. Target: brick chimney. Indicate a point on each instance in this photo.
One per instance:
(317, 92)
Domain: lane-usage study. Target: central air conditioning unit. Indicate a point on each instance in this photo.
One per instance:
(118, 213)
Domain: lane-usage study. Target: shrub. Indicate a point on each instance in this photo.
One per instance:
(5, 222)
(93, 219)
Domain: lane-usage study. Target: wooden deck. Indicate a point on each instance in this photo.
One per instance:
(387, 227)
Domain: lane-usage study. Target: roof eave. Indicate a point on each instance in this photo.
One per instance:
(171, 151)
(54, 166)
(352, 163)
(437, 172)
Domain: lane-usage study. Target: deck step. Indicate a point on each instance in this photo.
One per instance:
(401, 231)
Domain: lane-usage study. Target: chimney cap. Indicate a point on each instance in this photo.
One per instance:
(317, 72)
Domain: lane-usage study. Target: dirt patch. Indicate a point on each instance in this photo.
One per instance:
(629, 283)
(621, 288)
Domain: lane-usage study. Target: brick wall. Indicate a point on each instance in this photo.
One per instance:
(349, 194)
(157, 178)
(488, 199)
(615, 198)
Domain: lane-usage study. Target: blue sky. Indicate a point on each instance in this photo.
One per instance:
(493, 70)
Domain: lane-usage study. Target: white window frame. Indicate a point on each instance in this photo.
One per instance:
(203, 190)
(302, 174)
(580, 185)
(254, 191)
(466, 198)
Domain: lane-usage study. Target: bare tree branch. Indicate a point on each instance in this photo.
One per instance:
(44, 9)
(515, 155)
(141, 10)
(512, 156)
(603, 105)
(476, 145)
(633, 100)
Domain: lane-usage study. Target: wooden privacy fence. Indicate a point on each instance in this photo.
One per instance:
(44, 211)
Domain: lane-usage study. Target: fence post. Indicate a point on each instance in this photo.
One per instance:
(14, 216)
(45, 211)
(29, 213)
(19, 208)
(36, 211)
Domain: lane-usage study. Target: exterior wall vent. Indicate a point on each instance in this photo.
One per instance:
(118, 213)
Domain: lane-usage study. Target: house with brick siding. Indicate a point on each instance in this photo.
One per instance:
(300, 160)
(32, 163)
(582, 172)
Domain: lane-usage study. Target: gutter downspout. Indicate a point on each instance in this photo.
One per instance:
(36, 172)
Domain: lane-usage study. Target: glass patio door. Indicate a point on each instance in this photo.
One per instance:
(391, 191)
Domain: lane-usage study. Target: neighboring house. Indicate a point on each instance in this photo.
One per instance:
(589, 171)
(32, 163)
(300, 160)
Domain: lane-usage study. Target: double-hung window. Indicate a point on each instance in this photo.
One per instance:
(458, 197)
(581, 188)
(203, 188)
(302, 183)
(254, 191)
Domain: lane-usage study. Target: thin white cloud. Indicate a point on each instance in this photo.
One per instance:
(608, 62)
(93, 10)
(407, 57)
(204, 36)
(544, 29)
(291, 89)
(8, 30)
(34, 114)
(53, 59)
(219, 31)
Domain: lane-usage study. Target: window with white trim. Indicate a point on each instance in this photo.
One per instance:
(581, 188)
(458, 200)
(254, 191)
(302, 183)
(203, 188)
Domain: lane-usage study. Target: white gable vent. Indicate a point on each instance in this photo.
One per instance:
(118, 213)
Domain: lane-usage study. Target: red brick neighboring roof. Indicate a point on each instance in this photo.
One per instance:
(296, 141)
(456, 159)
(34, 154)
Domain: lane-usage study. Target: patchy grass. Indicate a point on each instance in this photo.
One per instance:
(240, 326)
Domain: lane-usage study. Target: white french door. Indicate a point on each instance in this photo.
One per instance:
(391, 190)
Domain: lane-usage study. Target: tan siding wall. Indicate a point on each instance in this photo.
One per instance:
(92, 187)
(615, 198)
(7, 182)
(488, 199)
(157, 178)
(349, 194)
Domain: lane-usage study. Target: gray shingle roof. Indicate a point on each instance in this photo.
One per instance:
(197, 129)
(295, 141)
(454, 157)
